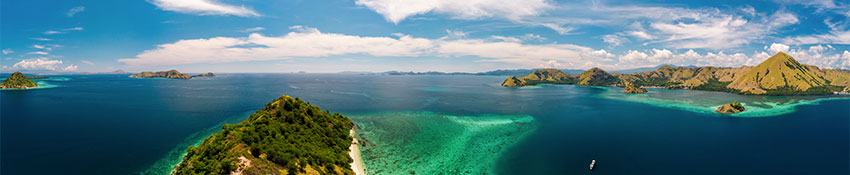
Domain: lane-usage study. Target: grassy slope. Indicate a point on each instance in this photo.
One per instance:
(288, 136)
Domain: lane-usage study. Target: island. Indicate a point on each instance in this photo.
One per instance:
(287, 136)
(208, 74)
(17, 81)
(780, 74)
(731, 108)
(173, 74)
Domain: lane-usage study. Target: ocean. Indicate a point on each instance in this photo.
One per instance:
(114, 124)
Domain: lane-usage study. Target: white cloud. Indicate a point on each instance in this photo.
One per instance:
(39, 53)
(38, 46)
(203, 7)
(74, 29)
(838, 34)
(50, 32)
(397, 10)
(70, 68)
(507, 39)
(532, 37)
(7, 51)
(719, 31)
(641, 35)
(37, 64)
(526, 37)
(42, 39)
(254, 29)
(819, 55)
(310, 42)
(75, 10)
(614, 40)
(551, 64)
(776, 48)
(87, 62)
(307, 42)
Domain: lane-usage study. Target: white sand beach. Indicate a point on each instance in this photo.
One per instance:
(357, 165)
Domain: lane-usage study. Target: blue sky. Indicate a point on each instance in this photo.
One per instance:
(410, 35)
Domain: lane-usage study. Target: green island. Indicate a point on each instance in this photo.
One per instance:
(288, 136)
(731, 108)
(17, 81)
(173, 74)
(778, 75)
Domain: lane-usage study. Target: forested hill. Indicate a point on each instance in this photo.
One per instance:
(288, 136)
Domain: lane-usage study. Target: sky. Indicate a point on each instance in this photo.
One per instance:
(414, 35)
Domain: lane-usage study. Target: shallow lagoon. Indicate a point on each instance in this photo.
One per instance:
(113, 124)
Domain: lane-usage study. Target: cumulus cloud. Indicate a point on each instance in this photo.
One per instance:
(203, 7)
(75, 10)
(38, 64)
(776, 48)
(7, 51)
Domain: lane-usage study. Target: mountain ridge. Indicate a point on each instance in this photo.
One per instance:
(780, 74)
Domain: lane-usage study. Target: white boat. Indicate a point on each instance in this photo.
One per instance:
(592, 163)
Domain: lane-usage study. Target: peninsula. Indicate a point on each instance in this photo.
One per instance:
(780, 74)
(17, 81)
(288, 136)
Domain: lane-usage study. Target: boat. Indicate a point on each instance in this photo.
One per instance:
(592, 163)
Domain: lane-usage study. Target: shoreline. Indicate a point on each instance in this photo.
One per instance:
(354, 152)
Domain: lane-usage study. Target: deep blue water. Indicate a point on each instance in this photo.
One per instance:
(113, 124)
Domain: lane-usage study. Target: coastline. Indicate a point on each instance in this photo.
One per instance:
(357, 165)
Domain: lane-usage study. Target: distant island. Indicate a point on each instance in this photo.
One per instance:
(17, 81)
(780, 74)
(208, 74)
(288, 136)
(173, 74)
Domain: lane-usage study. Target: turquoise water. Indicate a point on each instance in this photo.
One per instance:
(433, 143)
(43, 83)
(707, 101)
(113, 124)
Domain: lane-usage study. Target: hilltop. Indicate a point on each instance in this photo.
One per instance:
(288, 136)
(780, 74)
(17, 81)
(780, 71)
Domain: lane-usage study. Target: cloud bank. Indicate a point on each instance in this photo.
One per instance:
(305, 42)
